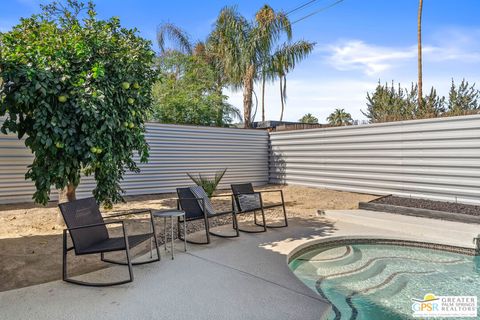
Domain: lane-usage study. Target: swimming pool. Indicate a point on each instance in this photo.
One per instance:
(366, 281)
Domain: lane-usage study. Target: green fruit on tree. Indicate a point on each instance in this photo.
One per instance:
(99, 150)
(125, 85)
(136, 85)
(59, 145)
(133, 113)
(130, 101)
(125, 124)
(93, 150)
(131, 125)
(62, 98)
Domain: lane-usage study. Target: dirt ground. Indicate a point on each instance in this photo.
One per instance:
(31, 242)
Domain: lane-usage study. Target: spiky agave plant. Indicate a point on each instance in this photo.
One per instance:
(208, 184)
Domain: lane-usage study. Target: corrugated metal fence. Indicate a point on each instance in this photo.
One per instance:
(174, 151)
(435, 158)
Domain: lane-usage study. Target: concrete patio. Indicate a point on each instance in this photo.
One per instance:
(242, 278)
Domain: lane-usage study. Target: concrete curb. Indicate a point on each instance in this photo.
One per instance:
(418, 212)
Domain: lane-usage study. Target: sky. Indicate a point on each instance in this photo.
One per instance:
(358, 43)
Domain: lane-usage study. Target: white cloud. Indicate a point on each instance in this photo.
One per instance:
(374, 60)
(368, 58)
(317, 86)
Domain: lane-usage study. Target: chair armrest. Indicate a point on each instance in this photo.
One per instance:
(276, 190)
(94, 225)
(126, 213)
(189, 199)
(222, 195)
(144, 211)
(254, 192)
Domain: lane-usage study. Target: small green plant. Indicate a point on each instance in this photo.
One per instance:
(208, 184)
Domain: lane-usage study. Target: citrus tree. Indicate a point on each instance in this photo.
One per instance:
(79, 89)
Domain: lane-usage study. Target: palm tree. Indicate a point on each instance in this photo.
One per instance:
(284, 60)
(269, 23)
(419, 34)
(308, 118)
(340, 117)
(239, 47)
(175, 34)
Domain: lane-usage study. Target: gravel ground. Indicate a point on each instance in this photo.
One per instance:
(430, 204)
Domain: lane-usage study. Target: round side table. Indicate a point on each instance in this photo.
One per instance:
(172, 214)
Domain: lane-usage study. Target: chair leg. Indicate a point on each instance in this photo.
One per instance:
(263, 220)
(278, 226)
(264, 229)
(207, 229)
(234, 219)
(235, 224)
(284, 212)
(156, 246)
(255, 231)
(64, 256)
(91, 284)
(129, 261)
(188, 240)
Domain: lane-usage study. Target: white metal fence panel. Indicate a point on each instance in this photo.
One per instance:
(174, 151)
(435, 158)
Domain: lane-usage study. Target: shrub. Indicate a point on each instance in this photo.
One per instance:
(208, 184)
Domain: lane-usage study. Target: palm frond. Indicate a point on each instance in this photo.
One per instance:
(176, 35)
(230, 43)
(288, 55)
(232, 111)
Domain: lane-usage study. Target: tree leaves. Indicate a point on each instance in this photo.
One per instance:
(189, 93)
(61, 86)
(388, 103)
(339, 117)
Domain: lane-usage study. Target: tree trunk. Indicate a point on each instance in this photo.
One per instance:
(281, 98)
(263, 98)
(420, 80)
(247, 96)
(65, 195)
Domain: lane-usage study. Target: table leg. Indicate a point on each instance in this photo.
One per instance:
(171, 229)
(185, 232)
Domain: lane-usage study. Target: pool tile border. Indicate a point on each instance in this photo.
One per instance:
(331, 243)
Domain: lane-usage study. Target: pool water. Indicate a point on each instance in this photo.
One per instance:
(378, 281)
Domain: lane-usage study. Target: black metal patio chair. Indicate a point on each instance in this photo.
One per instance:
(199, 207)
(248, 200)
(89, 234)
